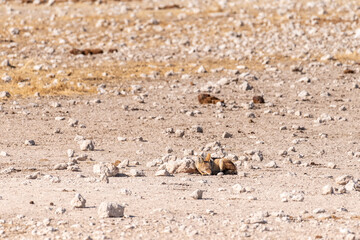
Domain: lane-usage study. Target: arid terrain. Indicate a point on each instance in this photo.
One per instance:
(87, 86)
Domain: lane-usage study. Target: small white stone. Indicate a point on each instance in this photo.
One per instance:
(110, 209)
(29, 142)
(237, 188)
(303, 94)
(197, 129)
(70, 153)
(271, 164)
(197, 194)
(179, 133)
(121, 139)
(60, 210)
(327, 190)
(352, 186)
(86, 145)
(73, 122)
(38, 67)
(297, 198)
(55, 104)
(343, 180)
(14, 31)
(125, 191)
(318, 210)
(250, 115)
(78, 201)
(3, 154)
(6, 78)
(162, 173)
(223, 81)
(245, 86)
(60, 166)
(108, 169)
(5, 63)
(4, 94)
(331, 165)
(136, 173)
(201, 69)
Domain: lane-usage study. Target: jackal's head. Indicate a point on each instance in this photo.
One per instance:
(204, 165)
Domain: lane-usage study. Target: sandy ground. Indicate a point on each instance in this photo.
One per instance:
(307, 142)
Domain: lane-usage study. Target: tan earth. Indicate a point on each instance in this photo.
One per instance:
(301, 56)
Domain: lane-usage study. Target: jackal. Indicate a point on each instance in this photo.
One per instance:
(209, 166)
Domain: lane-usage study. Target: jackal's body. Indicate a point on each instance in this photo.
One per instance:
(209, 166)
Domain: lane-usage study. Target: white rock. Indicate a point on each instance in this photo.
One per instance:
(110, 209)
(73, 122)
(331, 165)
(237, 188)
(3, 154)
(121, 139)
(297, 198)
(5, 63)
(327, 190)
(108, 169)
(14, 31)
(125, 191)
(343, 180)
(136, 173)
(271, 164)
(29, 142)
(70, 153)
(6, 78)
(352, 186)
(197, 194)
(245, 86)
(162, 173)
(179, 133)
(303, 94)
(78, 201)
(38, 67)
(327, 57)
(304, 80)
(357, 33)
(86, 145)
(201, 69)
(223, 81)
(55, 180)
(4, 94)
(197, 129)
(51, 2)
(60, 210)
(318, 210)
(250, 115)
(186, 165)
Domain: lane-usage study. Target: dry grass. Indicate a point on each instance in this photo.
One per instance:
(76, 80)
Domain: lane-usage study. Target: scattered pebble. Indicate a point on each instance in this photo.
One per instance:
(78, 201)
(197, 194)
(110, 209)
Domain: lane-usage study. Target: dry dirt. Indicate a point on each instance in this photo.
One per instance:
(301, 56)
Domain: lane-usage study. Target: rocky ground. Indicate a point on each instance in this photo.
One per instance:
(66, 114)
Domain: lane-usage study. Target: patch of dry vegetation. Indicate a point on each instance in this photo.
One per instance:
(83, 80)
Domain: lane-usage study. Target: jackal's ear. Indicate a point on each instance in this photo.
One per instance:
(207, 159)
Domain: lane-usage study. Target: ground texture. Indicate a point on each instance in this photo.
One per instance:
(297, 154)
